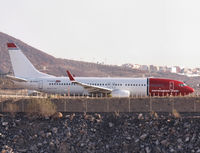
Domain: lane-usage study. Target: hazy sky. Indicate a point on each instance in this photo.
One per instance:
(159, 32)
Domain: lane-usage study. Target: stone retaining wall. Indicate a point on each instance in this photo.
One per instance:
(166, 104)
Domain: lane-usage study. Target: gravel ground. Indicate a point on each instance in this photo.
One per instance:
(100, 133)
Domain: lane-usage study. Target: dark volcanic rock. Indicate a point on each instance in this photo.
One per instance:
(105, 132)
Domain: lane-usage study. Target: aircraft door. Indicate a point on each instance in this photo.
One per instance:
(40, 84)
(171, 85)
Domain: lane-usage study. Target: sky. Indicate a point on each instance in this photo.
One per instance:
(158, 32)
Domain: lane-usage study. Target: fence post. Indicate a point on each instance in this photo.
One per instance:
(195, 109)
(108, 105)
(22, 106)
(86, 106)
(65, 109)
(173, 104)
(150, 105)
(2, 107)
(35, 105)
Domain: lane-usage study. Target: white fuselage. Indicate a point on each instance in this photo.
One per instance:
(62, 85)
(27, 76)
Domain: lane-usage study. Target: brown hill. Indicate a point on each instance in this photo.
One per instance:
(58, 67)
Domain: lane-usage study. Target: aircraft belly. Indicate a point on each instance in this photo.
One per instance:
(76, 90)
(139, 91)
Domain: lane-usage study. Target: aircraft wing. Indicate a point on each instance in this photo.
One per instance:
(89, 88)
(13, 78)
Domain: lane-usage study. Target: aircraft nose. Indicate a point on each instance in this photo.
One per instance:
(191, 90)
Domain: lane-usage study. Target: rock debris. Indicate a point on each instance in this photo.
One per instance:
(99, 133)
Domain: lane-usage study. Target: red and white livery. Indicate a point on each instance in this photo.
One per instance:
(27, 76)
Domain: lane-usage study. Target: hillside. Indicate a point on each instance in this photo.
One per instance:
(58, 67)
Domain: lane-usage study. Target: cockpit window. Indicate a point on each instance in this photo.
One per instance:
(182, 85)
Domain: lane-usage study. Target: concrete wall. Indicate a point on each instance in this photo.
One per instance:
(166, 104)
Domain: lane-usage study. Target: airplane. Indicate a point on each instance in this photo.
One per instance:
(27, 76)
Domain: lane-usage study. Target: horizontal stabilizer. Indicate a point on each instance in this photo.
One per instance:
(13, 78)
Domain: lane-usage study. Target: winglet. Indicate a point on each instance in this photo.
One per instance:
(11, 45)
(70, 76)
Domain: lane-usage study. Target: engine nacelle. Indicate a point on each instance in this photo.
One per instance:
(32, 92)
(120, 93)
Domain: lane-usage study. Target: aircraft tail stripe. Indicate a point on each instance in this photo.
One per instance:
(11, 45)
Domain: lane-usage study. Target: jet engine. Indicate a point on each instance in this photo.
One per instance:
(120, 93)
